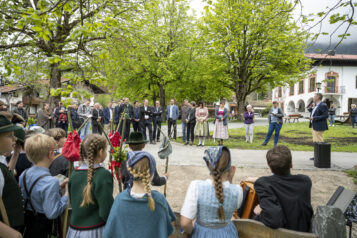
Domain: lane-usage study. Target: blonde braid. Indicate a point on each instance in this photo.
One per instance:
(144, 177)
(96, 143)
(219, 194)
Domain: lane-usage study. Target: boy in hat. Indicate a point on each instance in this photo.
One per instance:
(136, 142)
(11, 213)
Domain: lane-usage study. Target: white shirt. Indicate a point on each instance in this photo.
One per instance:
(3, 160)
(171, 108)
(146, 116)
(313, 110)
(111, 114)
(189, 208)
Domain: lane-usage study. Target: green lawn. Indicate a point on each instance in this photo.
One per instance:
(297, 136)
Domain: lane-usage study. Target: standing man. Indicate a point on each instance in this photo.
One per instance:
(128, 111)
(96, 119)
(191, 123)
(21, 111)
(184, 112)
(108, 117)
(275, 123)
(157, 121)
(146, 113)
(74, 115)
(60, 115)
(318, 119)
(172, 114)
(117, 112)
(84, 112)
(136, 117)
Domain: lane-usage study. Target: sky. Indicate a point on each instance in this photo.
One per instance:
(308, 7)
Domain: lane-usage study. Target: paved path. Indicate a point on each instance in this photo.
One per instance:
(192, 155)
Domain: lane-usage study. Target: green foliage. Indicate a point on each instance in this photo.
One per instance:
(266, 111)
(254, 45)
(353, 174)
(103, 99)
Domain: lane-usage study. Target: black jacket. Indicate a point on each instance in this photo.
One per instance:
(130, 111)
(157, 114)
(285, 201)
(156, 180)
(149, 112)
(22, 112)
(191, 115)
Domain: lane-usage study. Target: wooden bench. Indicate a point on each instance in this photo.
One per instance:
(248, 228)
(293, 117)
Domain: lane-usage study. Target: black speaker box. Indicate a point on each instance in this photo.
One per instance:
(322, 155)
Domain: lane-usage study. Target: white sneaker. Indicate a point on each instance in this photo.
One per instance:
(333, 125)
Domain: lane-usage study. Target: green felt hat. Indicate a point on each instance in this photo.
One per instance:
(6, 125)
(20, 135)
(136, 138)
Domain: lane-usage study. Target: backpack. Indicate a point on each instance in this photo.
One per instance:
(62, 118)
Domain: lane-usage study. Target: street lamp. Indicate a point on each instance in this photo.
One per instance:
(318, 86)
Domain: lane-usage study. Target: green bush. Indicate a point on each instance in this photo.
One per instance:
(103, 99)
(265, 112)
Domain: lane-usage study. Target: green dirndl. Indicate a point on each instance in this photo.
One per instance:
(202, 129)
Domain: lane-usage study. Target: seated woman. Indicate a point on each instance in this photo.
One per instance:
(138, 211)
(212, 202)
(285, 199)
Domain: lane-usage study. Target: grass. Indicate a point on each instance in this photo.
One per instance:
(297, 136)
(353, 174)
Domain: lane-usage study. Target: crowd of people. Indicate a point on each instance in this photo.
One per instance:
(34, 197)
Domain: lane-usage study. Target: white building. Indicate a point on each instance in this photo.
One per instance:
(333, 76)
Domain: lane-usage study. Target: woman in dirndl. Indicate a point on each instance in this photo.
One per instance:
(220, 132)
(202, 130)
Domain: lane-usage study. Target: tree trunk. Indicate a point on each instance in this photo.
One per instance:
(240, 104)
(163, 102)
(55, 82)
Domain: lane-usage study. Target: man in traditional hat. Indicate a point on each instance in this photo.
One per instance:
(136, 142)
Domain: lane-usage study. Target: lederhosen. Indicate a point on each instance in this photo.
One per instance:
(37, 224)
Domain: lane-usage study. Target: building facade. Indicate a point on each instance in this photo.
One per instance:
(333, 76)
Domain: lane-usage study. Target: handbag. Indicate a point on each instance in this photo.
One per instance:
(70, 148)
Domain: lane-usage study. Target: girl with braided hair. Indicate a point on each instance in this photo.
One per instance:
(90, 190)
(212, 202)
(138, 211)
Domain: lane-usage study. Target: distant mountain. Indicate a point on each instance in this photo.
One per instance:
(344, 48)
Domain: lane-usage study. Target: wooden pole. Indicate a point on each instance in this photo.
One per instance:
(120, 150)
(65, 219)
(85, 121)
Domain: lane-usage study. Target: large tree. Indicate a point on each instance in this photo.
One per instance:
(255, 44)
(59, 34)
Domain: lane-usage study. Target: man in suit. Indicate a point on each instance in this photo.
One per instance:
(96, 118)
(116, 112)
(318, 119)
(157, 121)
(128, 111)
(184, 111)
(19, 109)
(284, 199)
(108, 117)
(172, 114)
(146, 114)
(136, 117)
(275, 123)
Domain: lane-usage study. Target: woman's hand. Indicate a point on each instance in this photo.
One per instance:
(257, 210)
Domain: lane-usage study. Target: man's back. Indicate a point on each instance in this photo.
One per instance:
(285, 201)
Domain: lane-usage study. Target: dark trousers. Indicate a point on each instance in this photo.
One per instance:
(136, 126)
(127, 128)
(96, 128)
(354, 121)
(156, 133)
(146, 124)
(38, 226)
(274, 126)
(191, 131)
(170, 124)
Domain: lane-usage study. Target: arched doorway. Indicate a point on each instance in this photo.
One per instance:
(291, 107)
(301, 105)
